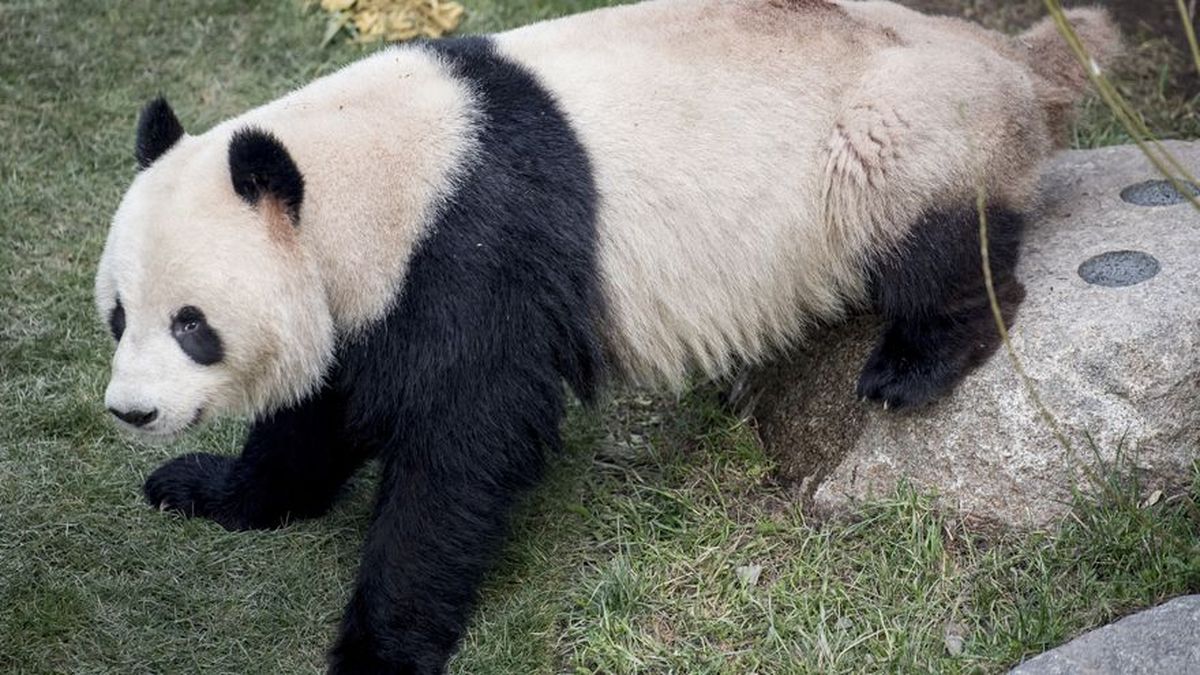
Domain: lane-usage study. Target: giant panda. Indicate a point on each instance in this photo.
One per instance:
(408, 258)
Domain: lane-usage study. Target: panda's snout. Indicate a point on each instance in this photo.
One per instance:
(137, 418)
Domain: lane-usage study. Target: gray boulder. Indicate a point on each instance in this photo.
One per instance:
(1165, 639)
(1115, 357)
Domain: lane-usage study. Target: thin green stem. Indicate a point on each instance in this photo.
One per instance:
(998, 315)
(1190, 28)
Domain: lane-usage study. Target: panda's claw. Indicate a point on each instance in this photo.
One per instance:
(901, 384)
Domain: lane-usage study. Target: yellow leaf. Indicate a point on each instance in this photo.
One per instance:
(396, 20)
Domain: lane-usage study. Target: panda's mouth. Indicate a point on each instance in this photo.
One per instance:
(196, 419)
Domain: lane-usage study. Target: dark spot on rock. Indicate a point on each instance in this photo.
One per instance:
(1157, 193)
(1115, 269)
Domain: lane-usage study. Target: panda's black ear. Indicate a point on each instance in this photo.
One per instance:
(262, 168)
(158, 129)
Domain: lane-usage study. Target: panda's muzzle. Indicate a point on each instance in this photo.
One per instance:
(136, 418)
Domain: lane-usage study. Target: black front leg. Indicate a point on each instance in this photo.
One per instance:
(292, 465)
(433, 537)
(440, 518)
(462, 382)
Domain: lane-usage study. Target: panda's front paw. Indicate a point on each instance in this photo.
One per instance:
(360, 649)
(196, 486)
(350, 658)
(362, 664)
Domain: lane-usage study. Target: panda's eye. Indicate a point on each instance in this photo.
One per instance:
(116, 321)
(188, 319)
(195, 337)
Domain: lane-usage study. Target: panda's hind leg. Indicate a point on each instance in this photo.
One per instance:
(930, 290)
(902, 175)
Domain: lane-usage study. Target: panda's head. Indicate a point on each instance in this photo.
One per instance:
(214, 303)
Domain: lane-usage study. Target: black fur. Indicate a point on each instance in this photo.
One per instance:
(260, 167)
(500, 306)
(931, 292)
(116, 321)
(196, 338)
(459, 389)
(157, 131)
(293, 465)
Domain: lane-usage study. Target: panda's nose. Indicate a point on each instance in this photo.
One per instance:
(137, 418)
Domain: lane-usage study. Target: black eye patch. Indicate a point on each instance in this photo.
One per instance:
(116, 321)
(195, 337)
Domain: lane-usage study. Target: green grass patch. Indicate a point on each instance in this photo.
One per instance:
(660, 542)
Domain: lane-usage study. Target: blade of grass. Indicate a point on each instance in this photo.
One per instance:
(1187, 16)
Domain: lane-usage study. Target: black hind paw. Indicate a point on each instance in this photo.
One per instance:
(915, 364)
(196, 486)
(904, 382)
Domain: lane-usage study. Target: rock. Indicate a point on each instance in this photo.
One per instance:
(1117, 362)
(1165, 639)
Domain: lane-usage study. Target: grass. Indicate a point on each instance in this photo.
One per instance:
(627, 561)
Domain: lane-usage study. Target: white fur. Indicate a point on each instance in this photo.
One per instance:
(178, 240)
(378, 144)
